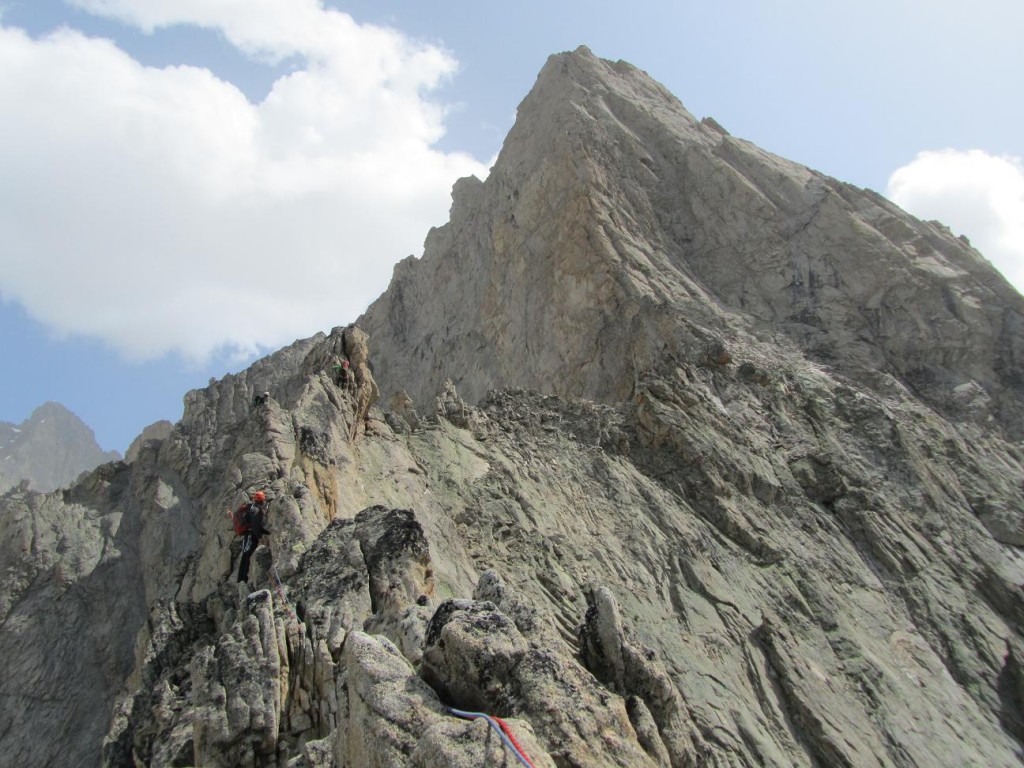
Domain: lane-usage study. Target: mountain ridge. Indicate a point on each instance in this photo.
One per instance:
(651, 505)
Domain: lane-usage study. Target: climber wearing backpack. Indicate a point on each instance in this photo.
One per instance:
(342, 374)
(248, 520)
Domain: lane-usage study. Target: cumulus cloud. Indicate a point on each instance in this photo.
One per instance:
(976, 194)
(160, 210)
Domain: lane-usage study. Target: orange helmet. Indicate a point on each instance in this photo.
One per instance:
(259, 497)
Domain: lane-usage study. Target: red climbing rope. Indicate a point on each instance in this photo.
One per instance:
(502, 729)
(512, 738)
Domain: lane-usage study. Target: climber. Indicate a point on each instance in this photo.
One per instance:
(342, 375)
(248, 520)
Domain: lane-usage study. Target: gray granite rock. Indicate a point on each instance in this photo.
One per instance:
(157, 431)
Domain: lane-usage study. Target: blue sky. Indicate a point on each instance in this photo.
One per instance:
(191, 183)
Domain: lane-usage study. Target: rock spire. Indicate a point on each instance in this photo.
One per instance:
(616, 232)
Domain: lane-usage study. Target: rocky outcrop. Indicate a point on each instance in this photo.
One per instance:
(637, 673)
(49, 449)
(158, 430)
(734, 553)
(265, 682)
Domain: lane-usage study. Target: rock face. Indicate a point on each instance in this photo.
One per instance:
(49, 449)
(616, 233)
(158, 430)
(728, 525)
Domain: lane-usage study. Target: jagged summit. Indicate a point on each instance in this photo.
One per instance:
(48, 449)
(617, 232)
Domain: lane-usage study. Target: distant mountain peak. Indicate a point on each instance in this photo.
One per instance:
(49, 449)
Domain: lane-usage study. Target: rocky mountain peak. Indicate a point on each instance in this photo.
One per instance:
(748, 492)
(49, 449)
(616, 233)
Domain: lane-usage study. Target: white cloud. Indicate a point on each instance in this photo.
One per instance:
(975, 194)
(160, 210)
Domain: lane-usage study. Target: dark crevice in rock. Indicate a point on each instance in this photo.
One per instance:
(1005, 598)
(1010, 687)
(176, 630)
(807, 724)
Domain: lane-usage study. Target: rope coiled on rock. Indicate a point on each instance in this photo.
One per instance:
(502, 729)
